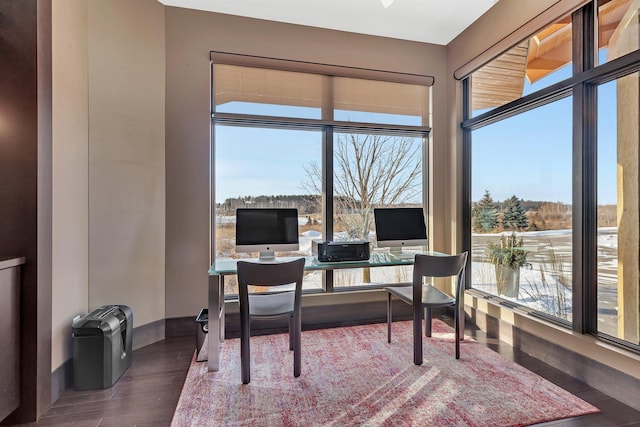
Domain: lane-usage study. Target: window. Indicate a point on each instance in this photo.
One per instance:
(392, 166)
(521, 209)
(264, 168)
(535, 63)
(617, 29)
(576, 237)
(287, 137)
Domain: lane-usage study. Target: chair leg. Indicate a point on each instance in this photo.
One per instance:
(456, 321)
(297, 345)
(291, 333)
(427, 322)
(245, 357)
(389, 317)
(417, 335)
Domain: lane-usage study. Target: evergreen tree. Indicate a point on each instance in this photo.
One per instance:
(485, 214)
(514, 217)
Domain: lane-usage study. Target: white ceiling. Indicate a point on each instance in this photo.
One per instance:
(430, 21)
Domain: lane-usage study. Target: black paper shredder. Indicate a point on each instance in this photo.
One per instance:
(102, 347)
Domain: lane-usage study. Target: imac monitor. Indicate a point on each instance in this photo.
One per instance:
(266, 231)
(399, 227)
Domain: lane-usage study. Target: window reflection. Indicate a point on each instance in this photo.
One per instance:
(617, 28)
(543, 59)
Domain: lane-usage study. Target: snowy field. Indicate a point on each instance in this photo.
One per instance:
(545, 285)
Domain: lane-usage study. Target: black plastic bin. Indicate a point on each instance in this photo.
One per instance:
(202, 329)
(102, 347)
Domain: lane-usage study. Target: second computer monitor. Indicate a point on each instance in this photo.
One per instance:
(400, 227)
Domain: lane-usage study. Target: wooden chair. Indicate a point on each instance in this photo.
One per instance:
(425, 297)
(269, 306)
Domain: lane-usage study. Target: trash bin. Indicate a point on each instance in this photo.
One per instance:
(102, 347)
(202, 329)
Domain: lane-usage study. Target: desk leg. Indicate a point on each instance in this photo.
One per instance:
(222, 311)
(214, 322)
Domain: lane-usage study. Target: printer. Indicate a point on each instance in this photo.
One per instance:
(326, 251)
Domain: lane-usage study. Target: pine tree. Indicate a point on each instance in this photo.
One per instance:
(514, 217)
(485, 214)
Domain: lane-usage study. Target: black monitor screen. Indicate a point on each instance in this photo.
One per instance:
(400, 224)
(255, 226)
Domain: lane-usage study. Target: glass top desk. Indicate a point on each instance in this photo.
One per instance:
(226, 267)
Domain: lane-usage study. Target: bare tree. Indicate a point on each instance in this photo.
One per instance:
(370, 171)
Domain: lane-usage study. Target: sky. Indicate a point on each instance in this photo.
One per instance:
(529, 155)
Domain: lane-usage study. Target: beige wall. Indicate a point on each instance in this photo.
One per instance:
(108, 161)
(126, 156)
(191, 35)
(70, 172)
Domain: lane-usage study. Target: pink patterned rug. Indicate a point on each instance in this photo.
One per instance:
(352, 377)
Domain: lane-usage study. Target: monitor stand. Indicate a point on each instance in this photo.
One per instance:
(396, 251)
(267, 256)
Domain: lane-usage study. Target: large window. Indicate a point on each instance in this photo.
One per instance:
(333, 146)
(554, 161)
(264, 168)
(521, 209)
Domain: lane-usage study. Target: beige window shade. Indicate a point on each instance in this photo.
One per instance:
(316, 93)
(320, 69)
(380, 97)
(265, 86)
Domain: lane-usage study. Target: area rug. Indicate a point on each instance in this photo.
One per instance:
(352, 377)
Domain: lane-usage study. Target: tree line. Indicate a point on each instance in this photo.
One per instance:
(515, 214)
(305, 203)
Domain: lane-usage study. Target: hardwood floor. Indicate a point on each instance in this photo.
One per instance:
(148, 392)
(145, 395)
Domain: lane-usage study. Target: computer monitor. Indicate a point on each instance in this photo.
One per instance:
(400, 227)
(266, 231)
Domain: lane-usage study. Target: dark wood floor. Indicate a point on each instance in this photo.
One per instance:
(148, 392)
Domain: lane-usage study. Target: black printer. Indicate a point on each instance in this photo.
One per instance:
(325, 251)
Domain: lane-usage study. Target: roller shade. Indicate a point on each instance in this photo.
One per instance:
(245, 81)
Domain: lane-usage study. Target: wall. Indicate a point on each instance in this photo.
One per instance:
(25, 185)
(70, 215)
(126, 156)
(191, 35)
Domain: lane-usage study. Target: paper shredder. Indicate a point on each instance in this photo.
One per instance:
(102, 347)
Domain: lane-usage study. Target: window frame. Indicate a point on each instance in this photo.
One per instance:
(326, 125)
(582, 85)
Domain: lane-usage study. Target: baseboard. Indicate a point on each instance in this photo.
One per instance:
(149, 333)
(619, 385)
(61, 379)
